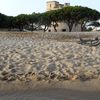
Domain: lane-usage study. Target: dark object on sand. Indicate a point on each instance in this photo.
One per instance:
(90, 42)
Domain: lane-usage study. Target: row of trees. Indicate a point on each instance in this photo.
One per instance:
(72, 15)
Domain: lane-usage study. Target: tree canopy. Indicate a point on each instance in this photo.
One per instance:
(71, 15)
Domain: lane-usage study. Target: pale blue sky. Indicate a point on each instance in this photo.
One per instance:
(15, 7)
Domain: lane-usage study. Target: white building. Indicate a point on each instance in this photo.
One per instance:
(54, 5)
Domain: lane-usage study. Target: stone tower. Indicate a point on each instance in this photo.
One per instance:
(54, 5)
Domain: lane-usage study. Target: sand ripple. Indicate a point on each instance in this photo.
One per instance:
(29, 57)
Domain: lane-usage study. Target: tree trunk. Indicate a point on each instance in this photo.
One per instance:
(20, 27)
(45, 28)
(54, 26)
(10, 27)
(83, 25)
(70, 26)
(32, 27)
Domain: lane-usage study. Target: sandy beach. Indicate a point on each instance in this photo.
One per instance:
(48, 67)
(46, 56)
(50, 94)
(66, 90)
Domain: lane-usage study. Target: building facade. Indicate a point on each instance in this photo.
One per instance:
(54, 5)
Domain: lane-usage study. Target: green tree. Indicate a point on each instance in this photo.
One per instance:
(74, 15)
(45, 21)
(86, 14)
(69, 16)
(11, 23)
(54, 17)
(21, 20)
(34, 20)
(3, 21)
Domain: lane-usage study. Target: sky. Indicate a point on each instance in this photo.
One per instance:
(16, 7)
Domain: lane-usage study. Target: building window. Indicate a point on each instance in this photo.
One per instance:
(50, 5)
(49, 30)
(56, 6)
(63, 30)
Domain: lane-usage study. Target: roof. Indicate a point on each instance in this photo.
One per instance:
(52, 1)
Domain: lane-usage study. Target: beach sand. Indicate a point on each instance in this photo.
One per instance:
(65, 90)
(44, 66)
